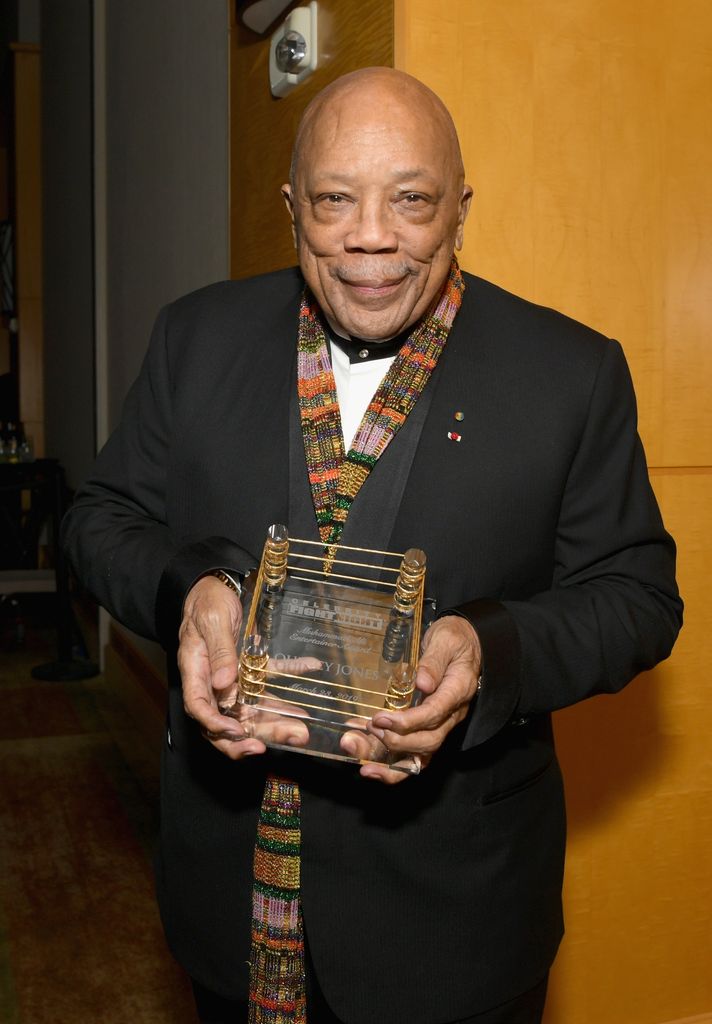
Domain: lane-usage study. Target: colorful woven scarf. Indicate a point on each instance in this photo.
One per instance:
(277, 982)
(277, 993)
(336, 477)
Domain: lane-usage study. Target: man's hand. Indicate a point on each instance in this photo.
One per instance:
(207, 659)
(208, 663)
(448, 675)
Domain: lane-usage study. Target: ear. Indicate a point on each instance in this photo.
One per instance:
(286, 191)
(465, 200)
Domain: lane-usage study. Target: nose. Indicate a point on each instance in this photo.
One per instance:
(371, 229)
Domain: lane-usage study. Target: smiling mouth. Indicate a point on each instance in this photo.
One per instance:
(372, 285)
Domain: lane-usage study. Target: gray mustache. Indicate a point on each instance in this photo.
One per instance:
(371, 271)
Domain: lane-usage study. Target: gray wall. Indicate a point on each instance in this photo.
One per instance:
(28, 21)
(67, 230)
(166, 175)
(167, 166)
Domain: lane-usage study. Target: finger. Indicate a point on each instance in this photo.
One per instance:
(204, 709)
(196, 670)
(435, 710)
(432, 667)
(285, 731)
(425, 742)
(379, 773)
(443, 651)
(212, 616)
(235, 735)
(222, 655)
(374, 755)
(271, 725)
(450, 640)
(199, 701)
(389, 776)
(238, 740)
(236, 750)
(424, 735)
(363, 746)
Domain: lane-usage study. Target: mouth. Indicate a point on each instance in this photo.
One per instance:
(373, 287)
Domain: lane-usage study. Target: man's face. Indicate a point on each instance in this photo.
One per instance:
(377, 207)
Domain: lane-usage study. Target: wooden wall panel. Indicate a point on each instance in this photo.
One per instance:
(351, 34)
(638, 771)
(587, 138)
(586, 135)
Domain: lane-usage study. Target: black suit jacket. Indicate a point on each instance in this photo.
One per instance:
(440, 897)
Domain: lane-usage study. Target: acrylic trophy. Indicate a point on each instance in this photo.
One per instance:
(329, 640)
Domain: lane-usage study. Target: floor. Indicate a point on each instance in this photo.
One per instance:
(80, 937)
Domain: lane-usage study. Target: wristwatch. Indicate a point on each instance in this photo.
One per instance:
(232, 581)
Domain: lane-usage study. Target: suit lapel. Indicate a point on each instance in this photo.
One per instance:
(373, 514)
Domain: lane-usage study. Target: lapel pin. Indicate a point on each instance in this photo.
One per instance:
(452, 436)
(459, 416)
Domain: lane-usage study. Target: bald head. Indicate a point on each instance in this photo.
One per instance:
(379, 89)
(377, 200)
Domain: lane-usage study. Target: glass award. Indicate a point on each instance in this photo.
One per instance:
(330, 636)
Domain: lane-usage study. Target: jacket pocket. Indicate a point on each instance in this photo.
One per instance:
(518, 787)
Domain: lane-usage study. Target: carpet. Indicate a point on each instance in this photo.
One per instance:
(80, 936)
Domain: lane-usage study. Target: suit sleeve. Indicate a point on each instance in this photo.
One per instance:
(116, 533)
(613, 609)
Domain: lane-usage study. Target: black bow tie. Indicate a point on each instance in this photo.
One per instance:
(361, 351)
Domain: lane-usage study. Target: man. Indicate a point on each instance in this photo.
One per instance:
(510, 456)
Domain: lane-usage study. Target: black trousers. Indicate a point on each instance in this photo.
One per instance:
(214, 1009)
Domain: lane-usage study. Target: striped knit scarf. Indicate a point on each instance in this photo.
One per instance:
(277, 980)
(336, 477)
(277, 983)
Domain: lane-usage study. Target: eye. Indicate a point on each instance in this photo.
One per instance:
(330, 206)
(413, 199)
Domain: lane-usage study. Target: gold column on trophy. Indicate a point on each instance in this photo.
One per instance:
(275, 556)
(409, 587)
(252, 674)
(401, 687)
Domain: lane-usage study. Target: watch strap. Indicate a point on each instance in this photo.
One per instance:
(233, 582)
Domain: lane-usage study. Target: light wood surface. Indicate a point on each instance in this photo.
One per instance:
(351, 34)
(638, 771)
(587, 135)
(586, 131)
(699, 1018)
